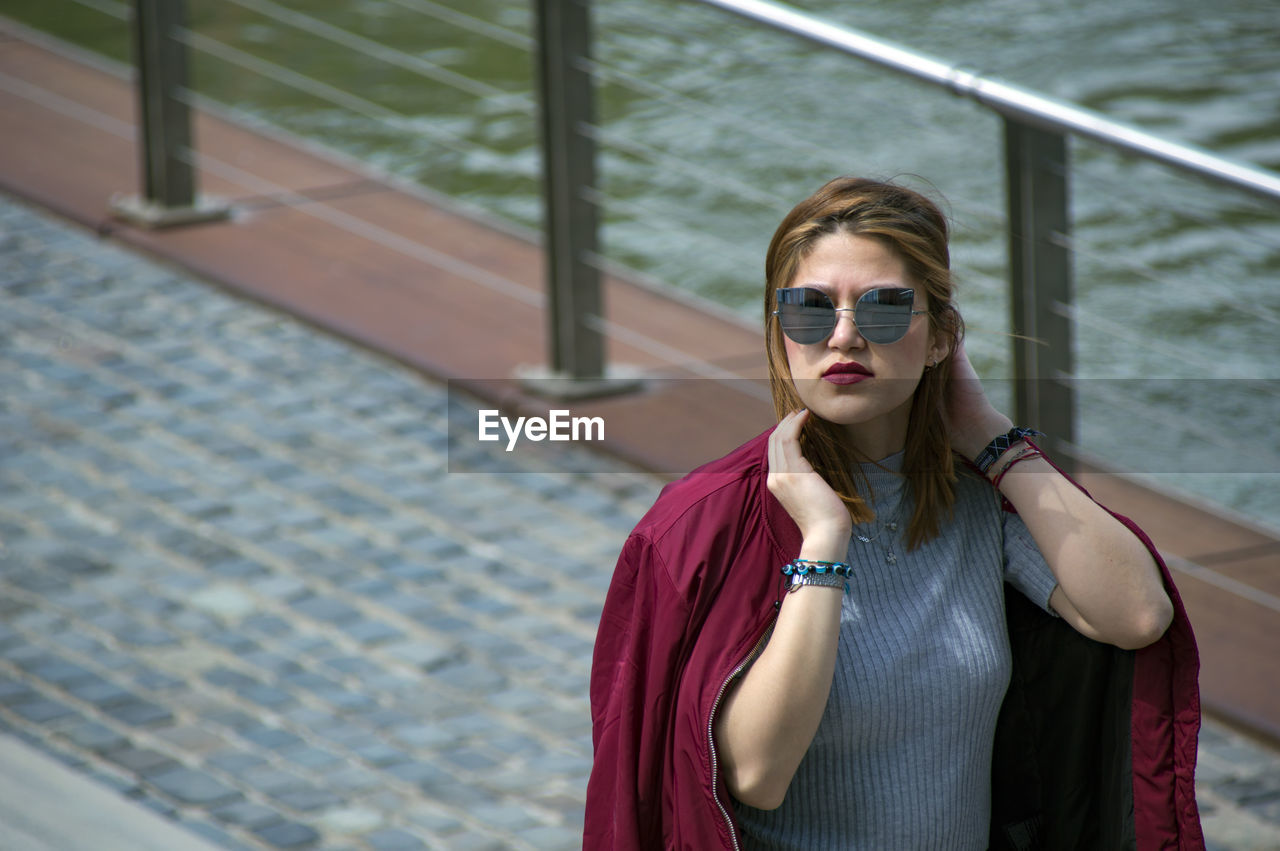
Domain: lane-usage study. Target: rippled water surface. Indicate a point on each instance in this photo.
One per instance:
(711, 127)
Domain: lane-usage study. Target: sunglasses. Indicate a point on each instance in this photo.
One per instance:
(883, 315)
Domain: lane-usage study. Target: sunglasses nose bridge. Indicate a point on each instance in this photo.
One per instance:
(853, 323)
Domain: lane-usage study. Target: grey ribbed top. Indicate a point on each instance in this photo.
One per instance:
(902, 757)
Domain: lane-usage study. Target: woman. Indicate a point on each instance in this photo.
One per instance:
(883, 689)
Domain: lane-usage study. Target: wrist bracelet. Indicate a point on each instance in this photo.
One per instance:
(820, 580)
(806, 566)
(1025, 455)
(1006, 460)
(1000, 445)
(824, 574)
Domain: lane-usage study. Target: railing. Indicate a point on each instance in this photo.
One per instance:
(1037, 168)
(1037, 221)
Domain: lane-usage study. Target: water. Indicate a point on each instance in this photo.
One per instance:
(712, 127)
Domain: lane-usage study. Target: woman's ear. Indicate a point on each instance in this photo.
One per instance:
(939, 348)
(944, 335)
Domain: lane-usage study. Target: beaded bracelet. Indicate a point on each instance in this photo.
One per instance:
(805, 566)
(824, 574)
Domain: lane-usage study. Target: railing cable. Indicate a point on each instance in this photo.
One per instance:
(663, 220)
(1167, 351)
(107, 7)
(467, 22)
(1261, 457)
(69, 108)
(1206, 217)
(620, 141)
(418, 251)
(377, 50)
(319, 89)
(1076, 246)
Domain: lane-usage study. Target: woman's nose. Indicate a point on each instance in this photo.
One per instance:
(845, 335)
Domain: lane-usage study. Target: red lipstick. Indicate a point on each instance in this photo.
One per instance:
(847, 372)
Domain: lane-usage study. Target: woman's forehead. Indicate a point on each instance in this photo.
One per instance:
(847, 263)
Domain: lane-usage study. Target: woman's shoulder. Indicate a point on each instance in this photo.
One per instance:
(720, 488)
(974, 494)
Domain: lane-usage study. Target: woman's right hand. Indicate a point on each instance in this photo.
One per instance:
(815, 507)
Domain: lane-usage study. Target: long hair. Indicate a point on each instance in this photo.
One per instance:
(913, 227)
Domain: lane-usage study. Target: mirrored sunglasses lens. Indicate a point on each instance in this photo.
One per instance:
(806, 315)
(884, 315)
(807, 326)
(882, 325)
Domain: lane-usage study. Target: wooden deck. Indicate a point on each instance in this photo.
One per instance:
(404, 273)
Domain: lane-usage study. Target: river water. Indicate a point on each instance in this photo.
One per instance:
(711, 127)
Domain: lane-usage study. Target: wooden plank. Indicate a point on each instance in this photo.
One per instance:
(1239, 666)
(69, 80)
(1260, 571)
(1175, 526)
(68, 85)
(434, 319)
(39, 143)
(659, 316)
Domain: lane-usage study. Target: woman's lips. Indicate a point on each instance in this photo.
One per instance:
(846, 373)
(845, 377)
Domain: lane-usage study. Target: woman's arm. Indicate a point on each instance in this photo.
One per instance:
(1109, 587)
(770, 715)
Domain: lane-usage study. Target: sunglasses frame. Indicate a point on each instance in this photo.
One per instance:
(867, 331)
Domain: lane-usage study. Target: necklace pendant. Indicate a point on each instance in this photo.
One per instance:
(889, 557)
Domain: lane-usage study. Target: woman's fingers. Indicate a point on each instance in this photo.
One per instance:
(805, 495)
(785, 454)
(777, 444)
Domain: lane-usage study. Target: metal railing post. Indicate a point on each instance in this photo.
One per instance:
(571, 221)
(568, 155)
(1040, 283)
(164, 122)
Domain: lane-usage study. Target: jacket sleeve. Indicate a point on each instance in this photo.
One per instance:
(1165, 724)
(633, 685)
(1096, 746)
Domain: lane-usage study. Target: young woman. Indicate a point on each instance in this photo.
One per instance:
(889, 622)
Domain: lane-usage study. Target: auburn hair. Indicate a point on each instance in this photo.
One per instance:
(915, 230)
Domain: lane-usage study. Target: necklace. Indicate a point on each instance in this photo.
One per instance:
(890, 526)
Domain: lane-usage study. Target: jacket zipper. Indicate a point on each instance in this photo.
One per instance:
(711, 720)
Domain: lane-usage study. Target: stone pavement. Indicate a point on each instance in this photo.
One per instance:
(244, 583)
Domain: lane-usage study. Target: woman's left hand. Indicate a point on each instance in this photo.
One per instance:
(1109, 588)
(972, 421)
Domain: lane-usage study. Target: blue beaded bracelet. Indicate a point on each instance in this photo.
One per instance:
(827, 574)
(804, 566)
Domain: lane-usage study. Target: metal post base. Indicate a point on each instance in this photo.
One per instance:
(151, 215)
(549, 384)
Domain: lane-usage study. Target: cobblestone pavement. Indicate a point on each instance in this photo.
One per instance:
(237, 584)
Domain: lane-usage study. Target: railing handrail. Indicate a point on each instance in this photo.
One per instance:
(1009, 100)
